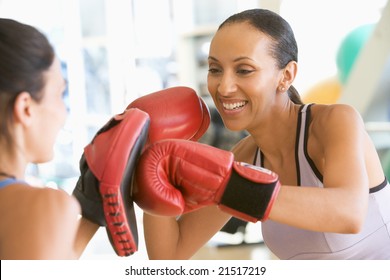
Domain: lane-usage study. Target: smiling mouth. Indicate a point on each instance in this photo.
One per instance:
(234, 106)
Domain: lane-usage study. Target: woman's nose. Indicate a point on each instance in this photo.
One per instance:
(227, 85)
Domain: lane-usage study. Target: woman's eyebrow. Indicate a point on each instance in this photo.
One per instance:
(242, 58)
(235, 60)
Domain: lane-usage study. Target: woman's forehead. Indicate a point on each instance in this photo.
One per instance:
(239, 39)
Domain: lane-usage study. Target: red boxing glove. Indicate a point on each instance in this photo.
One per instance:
(175, 113)
(177, 176)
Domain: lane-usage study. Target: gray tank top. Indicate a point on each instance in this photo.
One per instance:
(287, 242)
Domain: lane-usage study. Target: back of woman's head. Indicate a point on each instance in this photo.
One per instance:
(284, 47)
(25, 54)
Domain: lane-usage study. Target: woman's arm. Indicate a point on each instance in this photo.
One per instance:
(85, 231)
(338, 146)
(171, 238)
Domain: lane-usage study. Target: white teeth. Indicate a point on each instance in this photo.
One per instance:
(233, 106)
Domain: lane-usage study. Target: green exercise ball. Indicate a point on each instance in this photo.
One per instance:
(349, 50)
(386, 164)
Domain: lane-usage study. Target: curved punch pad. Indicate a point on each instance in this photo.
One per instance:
(111, 157)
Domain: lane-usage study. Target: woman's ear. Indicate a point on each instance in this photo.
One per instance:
(289, 74)
(23, 110)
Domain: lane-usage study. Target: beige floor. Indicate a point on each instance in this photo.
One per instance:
(237, 252)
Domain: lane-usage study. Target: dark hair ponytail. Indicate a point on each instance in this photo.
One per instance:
(294, 95)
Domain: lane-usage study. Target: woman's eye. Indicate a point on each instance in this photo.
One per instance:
(244, 71)
(214, 70)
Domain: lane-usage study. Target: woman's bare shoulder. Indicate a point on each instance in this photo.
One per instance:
(28, 202)
(335, 118)
(38, 223)
(334, 113)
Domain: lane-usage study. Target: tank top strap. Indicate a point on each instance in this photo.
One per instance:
(6, 182)
(307, 172)
(10, 181)
(259, 158)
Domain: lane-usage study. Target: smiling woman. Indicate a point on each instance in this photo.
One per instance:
(332, 202)
(259, 67)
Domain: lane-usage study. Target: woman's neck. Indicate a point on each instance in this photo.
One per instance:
(12, 165)
(277, 135)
